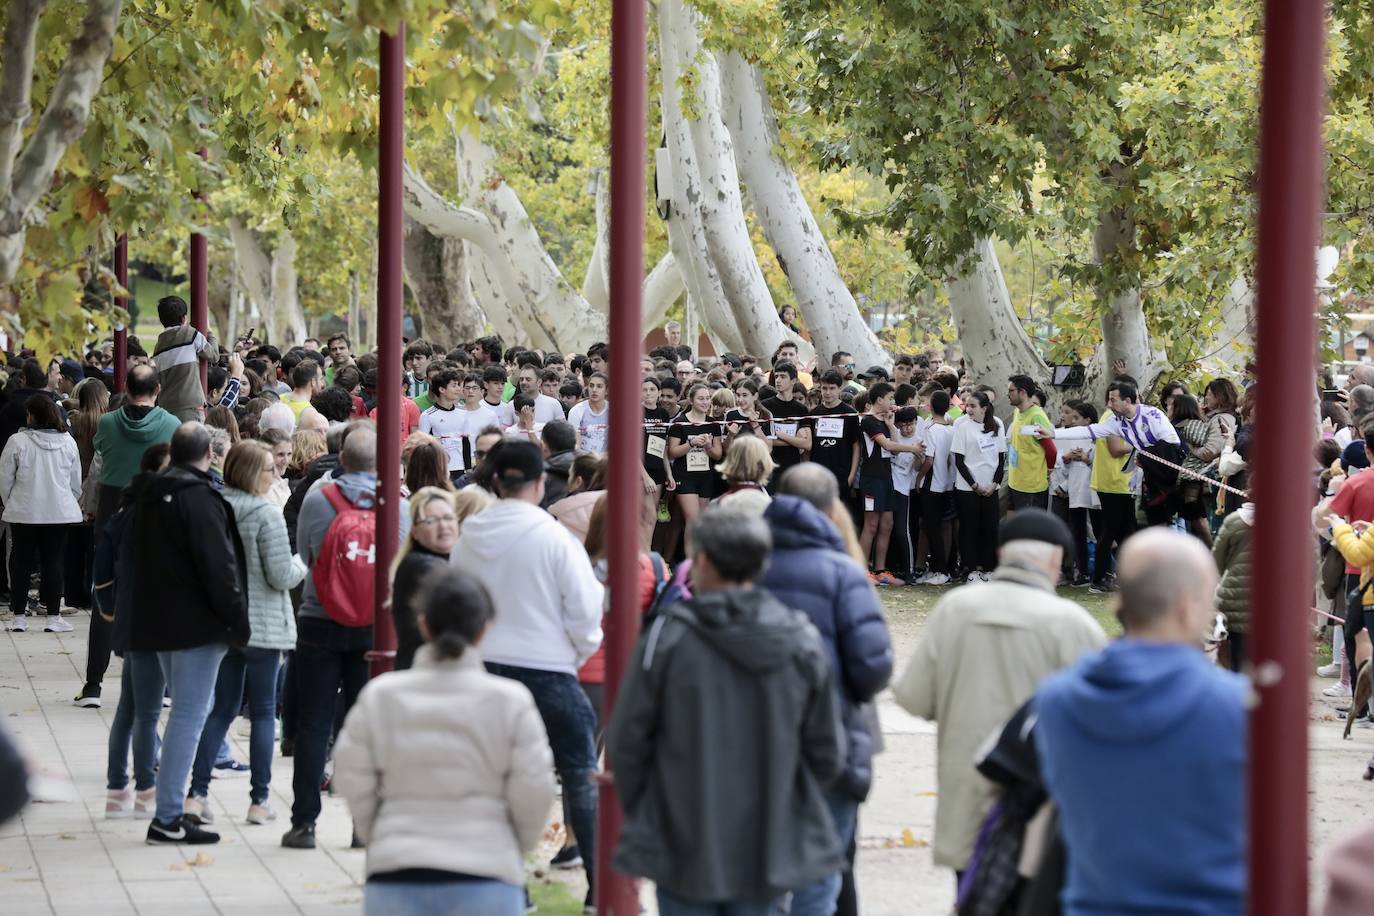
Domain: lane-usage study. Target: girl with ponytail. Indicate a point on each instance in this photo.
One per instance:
(446, 768)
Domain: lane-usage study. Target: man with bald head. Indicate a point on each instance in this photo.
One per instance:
(1142, 748)
(985, 650)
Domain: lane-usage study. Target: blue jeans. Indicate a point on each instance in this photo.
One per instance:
(329, 657)
(571, 724)
(443, 898)
(191, 676)
(253, 670)
(135, 722)
(819, 899)
(672, 905)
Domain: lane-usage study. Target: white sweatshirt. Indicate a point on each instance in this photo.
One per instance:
(548, 600)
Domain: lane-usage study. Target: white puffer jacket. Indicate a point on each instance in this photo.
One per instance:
(448, 767)
(40, 478)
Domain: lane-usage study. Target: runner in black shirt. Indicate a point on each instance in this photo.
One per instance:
(791, 424)
(748, 418)
(694, 444)
(835, 439)
(655, 434)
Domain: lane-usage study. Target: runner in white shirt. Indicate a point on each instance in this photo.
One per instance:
(591, 417)
(937, 483)
(980, 451)
(1071, 480)
(444, 420)
(477, 413)
(546, 409)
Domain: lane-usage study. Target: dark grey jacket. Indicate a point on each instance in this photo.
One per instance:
(725, 732)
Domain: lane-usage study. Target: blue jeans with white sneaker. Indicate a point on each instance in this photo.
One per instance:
(254, 672)
(191, 676)
(135, 722)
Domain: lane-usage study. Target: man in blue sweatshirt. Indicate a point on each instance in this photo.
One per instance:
(1142, 747)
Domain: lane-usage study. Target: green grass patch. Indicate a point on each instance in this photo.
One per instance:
(554, 899)
(916, 601)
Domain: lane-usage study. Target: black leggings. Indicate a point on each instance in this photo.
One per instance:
(977, 530)
(933, 524)
(42, 546)
(1118, 523)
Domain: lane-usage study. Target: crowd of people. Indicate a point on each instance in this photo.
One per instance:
(225, 536)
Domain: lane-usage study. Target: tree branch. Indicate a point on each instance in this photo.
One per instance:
(16, 81)
(64, 117)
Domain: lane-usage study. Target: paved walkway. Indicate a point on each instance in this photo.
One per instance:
(63, 857)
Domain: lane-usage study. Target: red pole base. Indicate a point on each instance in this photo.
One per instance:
(616, 894)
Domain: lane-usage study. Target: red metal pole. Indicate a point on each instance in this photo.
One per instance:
(389, 228)
(1290, 185)
(617, 894)
(200, 285)
(121, 334)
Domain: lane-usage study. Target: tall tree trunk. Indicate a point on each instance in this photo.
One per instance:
(777, 200)
(270, 281)
(437, 273)
(1124, 335)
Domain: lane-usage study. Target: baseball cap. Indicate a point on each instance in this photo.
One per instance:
(515, 463)
(1035, 525)
(875, 372)
(71, 369)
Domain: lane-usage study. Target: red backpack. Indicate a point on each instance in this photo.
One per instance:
(344, 572)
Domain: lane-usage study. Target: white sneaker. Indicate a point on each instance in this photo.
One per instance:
(935, 579)
(1337, 690)
(145, 803)
(1331, 670)
(261, 814)
(57, 624)
(20, 624)
(197, 811)
(119, 804)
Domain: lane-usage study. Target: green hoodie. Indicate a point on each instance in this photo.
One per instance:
(121, 441)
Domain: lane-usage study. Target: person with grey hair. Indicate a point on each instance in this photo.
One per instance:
(1361, 402)
(1145, 729)
(725, 738)
(189, 606)
(985, 650)
(672, 332)
(332, 646)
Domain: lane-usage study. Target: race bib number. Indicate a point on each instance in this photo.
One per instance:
(830, 427)
(656, 446)
(454, 447)
(987, 442)
(697, 460)
(868, 504)
(784, 429)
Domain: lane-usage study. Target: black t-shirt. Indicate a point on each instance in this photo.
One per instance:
(833, 438)
(655, 428)
(793, 411)
(684, 429)
(736, 416)
(875, 462)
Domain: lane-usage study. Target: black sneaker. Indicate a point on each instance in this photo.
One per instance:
(300, 836)
(177, 832)
(568, 857)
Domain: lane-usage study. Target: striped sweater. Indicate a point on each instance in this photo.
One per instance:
(178, 354)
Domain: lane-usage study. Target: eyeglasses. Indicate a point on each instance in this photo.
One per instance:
(435, 520)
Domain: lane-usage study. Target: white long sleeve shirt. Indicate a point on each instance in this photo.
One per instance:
(1147, 427)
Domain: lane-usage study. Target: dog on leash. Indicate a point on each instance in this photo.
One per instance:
(1215, 637)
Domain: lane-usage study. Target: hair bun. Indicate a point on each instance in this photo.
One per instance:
(449, 645)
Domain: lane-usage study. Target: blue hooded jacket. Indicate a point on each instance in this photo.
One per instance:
(1142, 747)
(810, 572)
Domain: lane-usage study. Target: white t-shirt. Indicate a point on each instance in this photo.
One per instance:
(591, 427)
(904, 463)
(938, 438)
(1075, 479)
(980, 451)
(505, 412)
(477, 420)
(448, 427)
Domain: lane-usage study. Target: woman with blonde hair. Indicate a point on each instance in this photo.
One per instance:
(433, 532)
(306, 446)
(747, 467)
